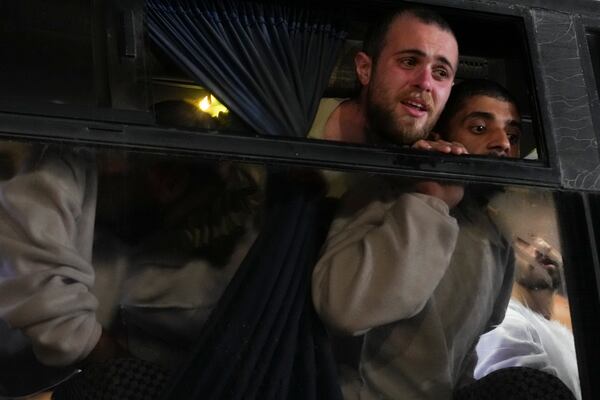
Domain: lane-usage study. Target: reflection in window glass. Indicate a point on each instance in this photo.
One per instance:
(416, 272)
(123, 253)
(536, 331)
(111, 253)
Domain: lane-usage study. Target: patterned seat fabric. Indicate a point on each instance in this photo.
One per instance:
(118, 379)
(516, 383)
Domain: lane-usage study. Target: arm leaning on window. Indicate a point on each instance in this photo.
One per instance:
(47, 216)
(384, 256)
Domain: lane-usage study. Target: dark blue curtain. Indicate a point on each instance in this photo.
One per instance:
(268, 63)
(263, 340)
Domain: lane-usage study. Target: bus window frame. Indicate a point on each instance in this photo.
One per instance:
(544, 172)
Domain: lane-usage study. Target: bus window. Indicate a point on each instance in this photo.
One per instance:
(487, 51)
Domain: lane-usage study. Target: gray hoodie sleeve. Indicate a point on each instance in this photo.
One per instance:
(383, 258)
(47, 216)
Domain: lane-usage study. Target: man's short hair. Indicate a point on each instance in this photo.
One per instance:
(463, 91)
(376, 35)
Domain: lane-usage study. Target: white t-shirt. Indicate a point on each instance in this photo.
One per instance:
(527, 339)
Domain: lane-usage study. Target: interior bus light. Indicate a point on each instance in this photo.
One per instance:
(209, 104)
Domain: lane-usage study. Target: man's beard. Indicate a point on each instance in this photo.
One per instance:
(384, 124)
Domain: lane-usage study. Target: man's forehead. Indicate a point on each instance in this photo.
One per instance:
(484, 104)
(409, 30)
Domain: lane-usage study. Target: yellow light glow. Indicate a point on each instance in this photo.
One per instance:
(209, 104)
(204, 104)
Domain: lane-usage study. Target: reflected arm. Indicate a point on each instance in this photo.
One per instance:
(383, 258)
(46, 231)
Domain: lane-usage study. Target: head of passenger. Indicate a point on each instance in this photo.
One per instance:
(406, 71)
(537, 275)
(483, 116)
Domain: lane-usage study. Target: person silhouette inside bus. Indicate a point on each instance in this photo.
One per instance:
(531, 335)
(418, 269)
(91, 238)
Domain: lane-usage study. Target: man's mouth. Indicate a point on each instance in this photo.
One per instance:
(415, 104)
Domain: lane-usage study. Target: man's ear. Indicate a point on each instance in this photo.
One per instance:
(363, 65)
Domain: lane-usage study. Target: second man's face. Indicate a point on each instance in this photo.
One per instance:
(486, 126)
(409, 84)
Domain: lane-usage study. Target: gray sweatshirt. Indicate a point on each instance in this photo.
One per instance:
(420, 284)
(46, 234)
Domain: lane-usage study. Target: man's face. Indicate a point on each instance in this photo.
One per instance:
(486, 126)
(408, 85)
(538, 273)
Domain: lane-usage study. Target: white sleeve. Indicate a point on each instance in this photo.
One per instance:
(46, 232)
(514, 343)
(382, 262)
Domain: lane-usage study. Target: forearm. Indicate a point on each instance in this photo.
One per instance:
(384, 263)
(46, 230)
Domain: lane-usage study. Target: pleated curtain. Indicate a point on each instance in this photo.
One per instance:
(269, 64)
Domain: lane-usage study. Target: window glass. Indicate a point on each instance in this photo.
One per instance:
(153, 240)
(376, 310)
(411, 272)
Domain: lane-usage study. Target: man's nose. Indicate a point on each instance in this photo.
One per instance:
(500, 142)
(423, 78)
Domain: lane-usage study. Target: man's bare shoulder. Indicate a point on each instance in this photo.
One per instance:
(327, 107)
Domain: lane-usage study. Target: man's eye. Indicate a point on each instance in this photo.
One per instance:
(477, 129)
(408, 62)
(440, 73)
(514, 135)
